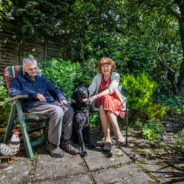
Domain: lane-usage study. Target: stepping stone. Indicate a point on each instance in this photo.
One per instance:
(49, 167)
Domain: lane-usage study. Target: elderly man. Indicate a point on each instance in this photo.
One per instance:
(45, 100)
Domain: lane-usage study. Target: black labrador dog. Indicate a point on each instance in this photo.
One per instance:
(81, 132)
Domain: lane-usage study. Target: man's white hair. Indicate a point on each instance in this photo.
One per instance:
(29, 61)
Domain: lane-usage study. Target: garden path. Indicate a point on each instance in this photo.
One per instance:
(139, 163)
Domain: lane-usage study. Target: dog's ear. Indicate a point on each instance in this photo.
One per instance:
(88, 92)
(74, 95)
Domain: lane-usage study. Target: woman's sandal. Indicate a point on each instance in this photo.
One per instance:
(120, 140)
(107, 146)
(107, 149)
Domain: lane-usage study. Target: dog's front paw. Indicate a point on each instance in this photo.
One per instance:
(84, 153)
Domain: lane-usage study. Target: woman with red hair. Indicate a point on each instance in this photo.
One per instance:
(108, 99)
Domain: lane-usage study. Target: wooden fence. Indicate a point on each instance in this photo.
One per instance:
(13, 49)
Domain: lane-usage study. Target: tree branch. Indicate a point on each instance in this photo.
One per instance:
(171, 75)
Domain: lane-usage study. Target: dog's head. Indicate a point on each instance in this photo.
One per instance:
(81, 95)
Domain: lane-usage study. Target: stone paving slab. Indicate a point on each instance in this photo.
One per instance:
(97, 160)
(157, 168)
(126, 166)
(49, 167)
(128, 174)
(16, 172)
(161, 171)
(79, 179)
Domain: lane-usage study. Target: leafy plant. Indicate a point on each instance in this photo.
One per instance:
(140, 90)
(138, 124)
(94, 119)
(152, 130)
(140, 100)
(174, 104)
(180, 139)
(86, 72)
(154, 111)
(67, 75)
(62, 74)
(4, 107)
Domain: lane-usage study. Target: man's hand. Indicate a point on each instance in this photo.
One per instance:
(40, 97)
(63, 102)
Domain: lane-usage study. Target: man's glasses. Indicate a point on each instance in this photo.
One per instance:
(31, 69)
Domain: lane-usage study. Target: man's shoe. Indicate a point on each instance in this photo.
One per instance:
(70, 149)
(55, 151)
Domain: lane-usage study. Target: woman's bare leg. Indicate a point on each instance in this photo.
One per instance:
(105, 124)
(113, 120)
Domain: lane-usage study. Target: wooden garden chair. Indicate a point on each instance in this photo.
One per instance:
(27, 122)
(124, 93)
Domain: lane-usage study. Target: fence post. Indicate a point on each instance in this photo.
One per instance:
(45, 49)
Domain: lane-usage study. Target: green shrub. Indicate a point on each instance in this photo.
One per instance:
(140, 90)
(180, 139)
(67, 75)
(140, 100)
(4, 107)
(87, 71)
(138, 124)
(94, 119)
(63, 74)
(175, 104)
(152, 130)
(154, 111)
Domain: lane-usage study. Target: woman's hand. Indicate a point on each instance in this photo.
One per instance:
(93, 98)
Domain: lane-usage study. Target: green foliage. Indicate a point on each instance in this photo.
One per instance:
(154, 111)
(38, 18)
(152, 130)
(175, 104)
(86, 72)
(131, 32)
(4, 107)
(138, 124)
(94, 119)
(62, 74)
(3, 91)
(180, 139)
(140, 90)
(66, 76)
(5, 11)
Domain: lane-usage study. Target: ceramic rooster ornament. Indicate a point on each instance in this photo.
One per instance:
(13, 145)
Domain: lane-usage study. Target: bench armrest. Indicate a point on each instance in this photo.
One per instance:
(16, 98)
